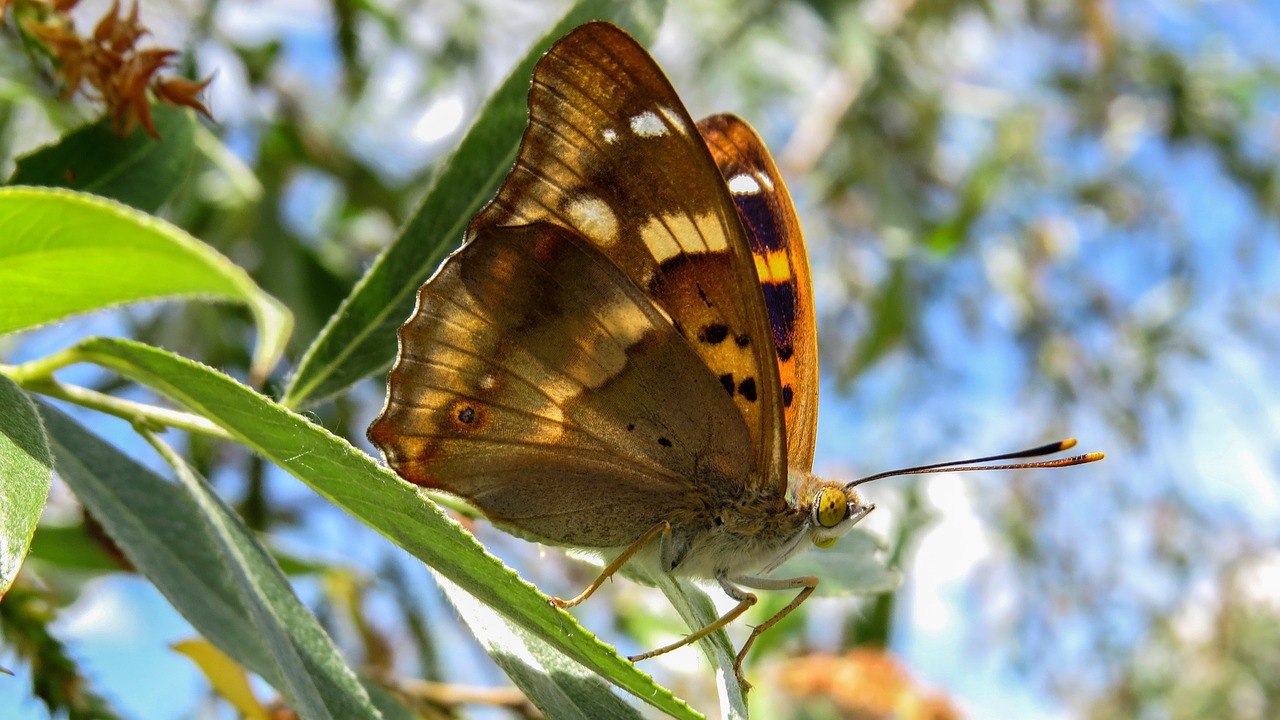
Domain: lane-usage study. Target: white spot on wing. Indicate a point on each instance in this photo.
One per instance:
(674, 118)
(646, 124)
(743, 185)
(594, 218)
(713, 233)
(658, 239)
(685, 229)
(610, 135)
(673, 235)
(764, 180)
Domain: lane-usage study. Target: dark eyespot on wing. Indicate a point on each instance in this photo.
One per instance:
(465, 415)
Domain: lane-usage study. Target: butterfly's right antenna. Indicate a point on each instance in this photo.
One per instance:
(967, 465)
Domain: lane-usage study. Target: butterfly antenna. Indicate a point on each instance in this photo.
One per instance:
(967, 465)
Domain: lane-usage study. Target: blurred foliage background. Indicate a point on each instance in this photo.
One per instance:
(1028, 219)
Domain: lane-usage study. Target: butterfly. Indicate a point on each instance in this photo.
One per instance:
(622, 355)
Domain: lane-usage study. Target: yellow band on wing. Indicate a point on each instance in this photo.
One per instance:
(773, 267)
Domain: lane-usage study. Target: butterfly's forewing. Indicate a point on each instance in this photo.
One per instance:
(783, 267)
(611, 153)
(537, 381)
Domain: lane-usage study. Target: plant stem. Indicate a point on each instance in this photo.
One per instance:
(37, 376)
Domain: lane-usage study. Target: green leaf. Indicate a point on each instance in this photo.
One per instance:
(25, 474)
(891, 311)
(698, 611)
(317, 682)
(70, 547)
(353, 481)
(195, 550)
(559, 687)
(63, 253)
(851, 566)
(360, 339)
(137, 170)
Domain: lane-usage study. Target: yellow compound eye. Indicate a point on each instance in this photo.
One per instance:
(829, 509)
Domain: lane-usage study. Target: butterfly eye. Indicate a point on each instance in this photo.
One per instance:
(829, 509)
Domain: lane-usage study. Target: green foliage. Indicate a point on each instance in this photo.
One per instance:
(68, 252)
(25, 473)
(135, 170)
(1030, 236)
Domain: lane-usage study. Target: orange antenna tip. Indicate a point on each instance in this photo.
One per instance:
(974, 463)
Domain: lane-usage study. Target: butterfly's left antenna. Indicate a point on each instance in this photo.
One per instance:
(967, 465)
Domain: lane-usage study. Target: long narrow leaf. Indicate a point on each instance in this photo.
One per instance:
(317, 682)
(561, 688)
(169, 535)
(360, 339)
(353, 481)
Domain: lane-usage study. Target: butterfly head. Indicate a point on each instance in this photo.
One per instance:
(834, 508)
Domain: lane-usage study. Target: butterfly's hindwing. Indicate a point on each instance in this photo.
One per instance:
(535, 380)
(611, 153)
(782, 264)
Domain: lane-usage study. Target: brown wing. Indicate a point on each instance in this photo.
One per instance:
(611, 153)
(537, 381)
(783, 267)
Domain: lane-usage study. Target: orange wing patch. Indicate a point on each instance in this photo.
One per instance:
(782, 266)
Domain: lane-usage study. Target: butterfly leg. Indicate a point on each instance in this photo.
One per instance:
(745, 601)
(663, 529)
(807, 583)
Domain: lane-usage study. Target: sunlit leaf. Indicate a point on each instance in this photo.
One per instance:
(64, 253)
(26, 471)
(852, 566)
(227, 678)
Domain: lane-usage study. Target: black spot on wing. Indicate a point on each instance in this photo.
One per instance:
(747, 389)
(714, 334)
(664, 442)
(467, 415)
(788, 396)
(727, 381)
